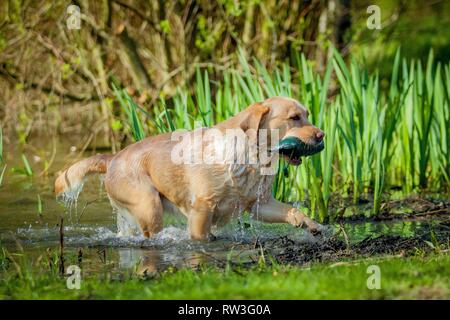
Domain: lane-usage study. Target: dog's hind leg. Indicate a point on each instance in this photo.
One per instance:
(148, 212)
(142, 202)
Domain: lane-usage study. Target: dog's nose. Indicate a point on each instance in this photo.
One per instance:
(320, 135)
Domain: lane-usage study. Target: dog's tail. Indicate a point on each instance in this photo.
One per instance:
(70, 180)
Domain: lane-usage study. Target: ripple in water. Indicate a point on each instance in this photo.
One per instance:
(169, 236)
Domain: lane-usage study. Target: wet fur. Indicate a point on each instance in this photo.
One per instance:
(142, 182)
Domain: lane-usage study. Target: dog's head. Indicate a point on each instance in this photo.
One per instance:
(297, 136)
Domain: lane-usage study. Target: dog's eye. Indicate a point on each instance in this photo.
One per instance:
(295, 118)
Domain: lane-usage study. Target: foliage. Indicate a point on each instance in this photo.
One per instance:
(375, 138)
(348, 280)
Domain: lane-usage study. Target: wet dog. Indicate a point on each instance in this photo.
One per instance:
(143, 180)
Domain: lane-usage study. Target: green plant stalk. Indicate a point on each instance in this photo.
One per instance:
(39, 205)
(2, 175)
(130, 108)
(1, 144)
(28, 170)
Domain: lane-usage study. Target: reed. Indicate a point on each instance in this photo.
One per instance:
(28, 170)
(130, 108)
(39, 206)
(381, 133)
(2, 173)
(1, 144)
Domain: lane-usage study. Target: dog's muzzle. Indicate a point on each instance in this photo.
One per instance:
(292, 148)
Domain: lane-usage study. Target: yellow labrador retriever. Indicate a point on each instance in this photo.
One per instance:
(143, 180)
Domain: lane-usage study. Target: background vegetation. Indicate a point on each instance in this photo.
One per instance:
(377, 139)
(56, 81)
(137, 68)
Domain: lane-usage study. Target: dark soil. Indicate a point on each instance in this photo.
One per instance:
(286, 251)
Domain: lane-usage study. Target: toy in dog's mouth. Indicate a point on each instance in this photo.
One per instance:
(293, 149)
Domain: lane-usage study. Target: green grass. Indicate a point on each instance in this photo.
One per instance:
(401, 278)
(379, 132)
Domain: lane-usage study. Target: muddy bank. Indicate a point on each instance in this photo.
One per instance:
(409, 208)
(286, 251)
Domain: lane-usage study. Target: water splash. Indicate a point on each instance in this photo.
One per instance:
(102, 236)
(126, 224)
(172, 234)
(69, 198)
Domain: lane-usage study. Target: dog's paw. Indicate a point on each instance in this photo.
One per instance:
(313, 227)
(316, 229)
(298, 219)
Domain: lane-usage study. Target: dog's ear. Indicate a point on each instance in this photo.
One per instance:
(255, 116)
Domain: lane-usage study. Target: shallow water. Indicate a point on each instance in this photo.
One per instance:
(93, 230)
(90, 228)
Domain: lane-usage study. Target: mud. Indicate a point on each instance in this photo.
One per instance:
(285, 250)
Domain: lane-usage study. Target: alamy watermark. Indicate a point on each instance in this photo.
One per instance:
(74, 279)
(73, 21)
(227, 147)
(374, 20)
(374, 280)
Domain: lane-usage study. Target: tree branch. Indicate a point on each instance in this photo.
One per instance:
(33, 85)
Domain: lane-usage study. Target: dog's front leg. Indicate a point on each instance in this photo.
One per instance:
(274, 211)
(199, 223)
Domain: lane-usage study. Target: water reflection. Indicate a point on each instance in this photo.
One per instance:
(148, 261)
(360, 231)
